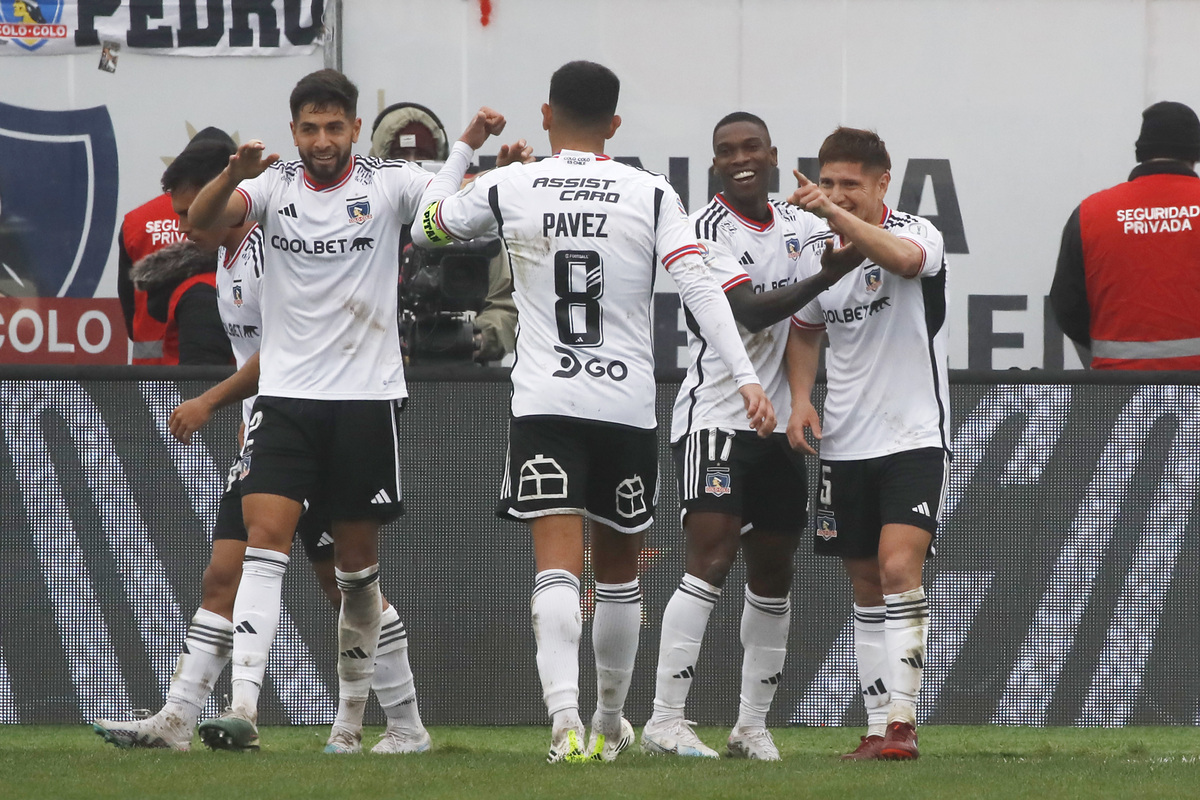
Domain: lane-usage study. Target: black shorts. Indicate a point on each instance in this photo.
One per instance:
(341, 454)
(760, 481)
(312, 530)
(557, 465)
(857, 498)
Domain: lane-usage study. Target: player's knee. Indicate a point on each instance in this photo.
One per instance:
(771, 580)
(712, 566)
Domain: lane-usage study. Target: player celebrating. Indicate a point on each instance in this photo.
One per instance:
(585, 235)
(885, 452)
(325, 424)
(239, 252)
(738, 490)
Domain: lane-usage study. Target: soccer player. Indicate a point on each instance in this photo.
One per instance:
(331, 384)
(886, 445)
(585, 235)
(738, 490)
(239, 252)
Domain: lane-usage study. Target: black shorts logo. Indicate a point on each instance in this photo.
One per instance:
(542, 479)
(631, 497)
(826, 526)
(717, 482)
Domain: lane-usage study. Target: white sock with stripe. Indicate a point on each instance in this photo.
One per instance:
(393, 682)
(206, 650)
(255, 620)
(684, 620)
(765, 623)
(906, 629)
(358, 638)
(615, 631)
(557, 625)
(871, 654)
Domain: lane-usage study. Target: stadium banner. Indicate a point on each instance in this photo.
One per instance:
(62, 331)
(1064, 590)
(166, 27)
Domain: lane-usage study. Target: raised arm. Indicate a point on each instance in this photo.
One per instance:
(430, 229)
(899, 256)
(217, 205)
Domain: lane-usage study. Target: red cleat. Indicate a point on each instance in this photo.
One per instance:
(867, 750)
(900, 744)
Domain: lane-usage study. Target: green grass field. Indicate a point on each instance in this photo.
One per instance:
(957, 762)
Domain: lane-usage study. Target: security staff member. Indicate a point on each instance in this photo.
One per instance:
(1127, 284)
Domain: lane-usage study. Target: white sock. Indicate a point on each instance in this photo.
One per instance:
(557, 625)
(255, 619)
(684, 620)
(393, 680)
(358, 638)
(870, 651)
(615, 631)
(907, 628)
(206, 650)
(765, 623)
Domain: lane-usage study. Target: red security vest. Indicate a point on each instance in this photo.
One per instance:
(170, 349)
(147, 228)
(1141, 256)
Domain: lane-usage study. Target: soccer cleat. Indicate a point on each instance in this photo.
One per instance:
(565, 746)
(606, 748)
(344, 741)
(900, 743)
(158, 731)
(230, 731)
(675, 738)
(402, 740)
(755, 744)
(867, 750)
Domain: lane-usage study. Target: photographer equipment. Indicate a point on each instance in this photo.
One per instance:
(440, 292)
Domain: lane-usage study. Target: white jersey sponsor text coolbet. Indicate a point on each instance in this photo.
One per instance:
(239, 282)
(329, 297)
(886, 363)
(768, 256)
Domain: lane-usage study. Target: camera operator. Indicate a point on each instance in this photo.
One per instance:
(413, 132)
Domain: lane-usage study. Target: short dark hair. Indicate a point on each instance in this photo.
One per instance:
(585, 92)
(324, 89)
(856, 146)
(741, 116)
(200, 162)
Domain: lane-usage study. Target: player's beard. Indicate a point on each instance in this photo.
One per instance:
(325, 171)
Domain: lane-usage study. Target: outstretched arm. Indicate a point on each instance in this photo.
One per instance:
(191, 415)
(761, 310)
(896, 255)
(217, 205)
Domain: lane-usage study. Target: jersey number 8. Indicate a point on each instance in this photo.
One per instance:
(579, 284)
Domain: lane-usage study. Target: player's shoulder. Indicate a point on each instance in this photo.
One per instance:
(714, 222)
(806, 222)
(903, 222)
(368, 169)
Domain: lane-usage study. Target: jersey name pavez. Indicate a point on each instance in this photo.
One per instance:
(768, 256)
(330, 330)
(585, 237)
(888, 388)
(239, 282)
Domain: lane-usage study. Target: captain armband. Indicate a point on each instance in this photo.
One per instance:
(433, 231)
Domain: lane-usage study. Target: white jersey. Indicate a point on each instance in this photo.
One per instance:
(239, 282)
(329, 311)
(585, 237)
(886, 366)
(768, 256)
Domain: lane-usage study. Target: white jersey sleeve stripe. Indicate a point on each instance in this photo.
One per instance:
(732, 282)
(673, 256)
(249, 205)
(804, 326)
